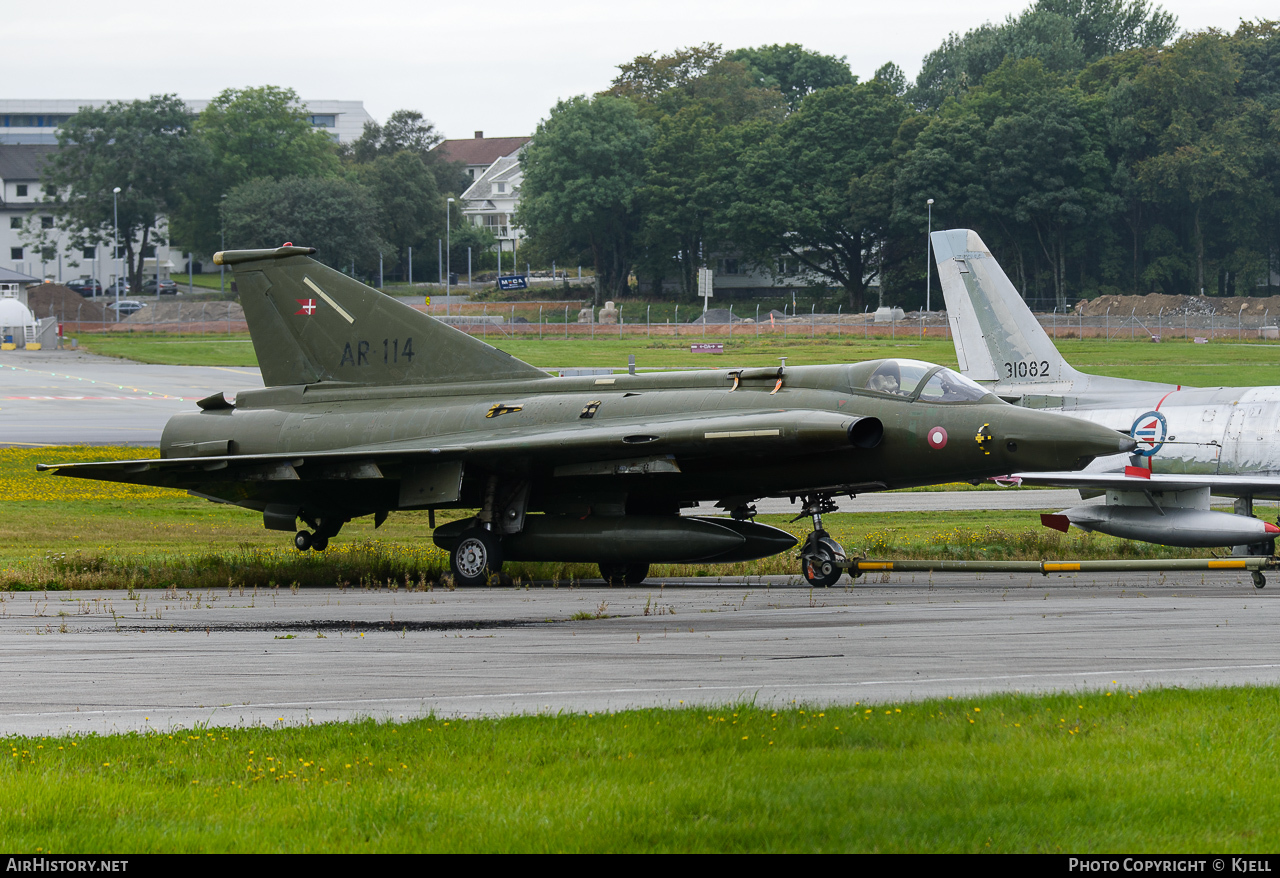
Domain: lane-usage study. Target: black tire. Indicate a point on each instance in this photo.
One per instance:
(319, 542)
(476, 557)
(817, 562)
(302, 540)
(616, 574)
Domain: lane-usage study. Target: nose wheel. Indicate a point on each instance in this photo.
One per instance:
(820, 557)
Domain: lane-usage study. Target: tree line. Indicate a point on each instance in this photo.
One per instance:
(249, 171)
(1093, 152)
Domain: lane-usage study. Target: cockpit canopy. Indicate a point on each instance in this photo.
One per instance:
(914, 379)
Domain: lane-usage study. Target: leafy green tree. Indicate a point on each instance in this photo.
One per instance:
(410, 206)
(144, 147)
(794, 70)
(249, 134)
(1065, 35)
(690, 161)
(583, 172)
(1202, 155)
(406, 130)
(814, 188)
(336, 216)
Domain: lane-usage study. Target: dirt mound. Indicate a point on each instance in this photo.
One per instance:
(65, 304)
(1154, 304)
(170, 311)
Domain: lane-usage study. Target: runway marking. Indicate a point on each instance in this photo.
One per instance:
(78, 378)
(545, 693)
(151, 398)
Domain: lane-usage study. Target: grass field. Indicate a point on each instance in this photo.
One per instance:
(1219, 363)
(1109, 771)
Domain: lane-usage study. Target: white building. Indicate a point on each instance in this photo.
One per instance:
(490, 202)
(20, 212)
(37, 121)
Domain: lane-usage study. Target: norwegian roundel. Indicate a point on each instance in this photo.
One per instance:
(1149, 430)
(937, 437)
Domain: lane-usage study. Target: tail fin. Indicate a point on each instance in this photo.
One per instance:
(310, 323)
(997, 338)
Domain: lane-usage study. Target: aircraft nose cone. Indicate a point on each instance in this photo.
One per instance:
(1050, 441)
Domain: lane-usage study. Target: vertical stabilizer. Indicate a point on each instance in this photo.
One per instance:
(997, 338)
(310, 323)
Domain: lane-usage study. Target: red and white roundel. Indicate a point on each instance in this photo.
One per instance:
(937, 437)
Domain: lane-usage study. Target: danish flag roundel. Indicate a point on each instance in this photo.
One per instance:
(308, 306)
(937, 437)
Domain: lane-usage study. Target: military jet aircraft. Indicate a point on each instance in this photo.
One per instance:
(1192, 441)
(371, 406)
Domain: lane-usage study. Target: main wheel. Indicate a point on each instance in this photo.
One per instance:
(818, 561)
(302, 540)
(623, 574)
(476, 557)
(319, 542)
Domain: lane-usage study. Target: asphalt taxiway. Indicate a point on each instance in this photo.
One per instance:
(75, 398)
(113, 662)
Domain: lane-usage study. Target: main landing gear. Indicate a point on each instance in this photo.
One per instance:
(476, 558)
(623, 574)
(317, 539)
(821, 555)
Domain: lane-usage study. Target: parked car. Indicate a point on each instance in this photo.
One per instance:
(127, 307)
(167, 287)
(85, 286)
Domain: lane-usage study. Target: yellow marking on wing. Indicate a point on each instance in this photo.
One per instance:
(740, 434)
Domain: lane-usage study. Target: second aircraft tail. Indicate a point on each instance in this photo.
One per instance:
(997, 338)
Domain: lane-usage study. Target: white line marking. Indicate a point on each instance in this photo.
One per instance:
(322, 294)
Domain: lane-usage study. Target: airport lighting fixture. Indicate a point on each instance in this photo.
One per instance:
(448, 209)
(115, 241)
(928, 264)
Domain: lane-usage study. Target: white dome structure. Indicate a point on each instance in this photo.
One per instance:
(14, 313)
(16, 320)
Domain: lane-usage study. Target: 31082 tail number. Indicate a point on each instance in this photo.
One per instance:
(1027, 369)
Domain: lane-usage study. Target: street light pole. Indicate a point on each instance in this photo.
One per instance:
(448, 262)
(928, 262)
(115, 241)
(222, 269)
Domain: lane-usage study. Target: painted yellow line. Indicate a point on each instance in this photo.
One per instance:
(1060, 567)
(874, 565)
(740, 434)
(1228, 564)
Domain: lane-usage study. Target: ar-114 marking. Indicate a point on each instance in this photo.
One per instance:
(392, 352)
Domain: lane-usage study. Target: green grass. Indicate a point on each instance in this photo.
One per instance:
(1111, 771)
(1218, 363)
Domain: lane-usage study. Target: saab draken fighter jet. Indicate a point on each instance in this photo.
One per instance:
(1192, 441)
(371, 406)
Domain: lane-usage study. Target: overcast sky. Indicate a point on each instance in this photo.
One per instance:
(498, 67)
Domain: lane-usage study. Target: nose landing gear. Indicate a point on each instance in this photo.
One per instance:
(821, 554)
